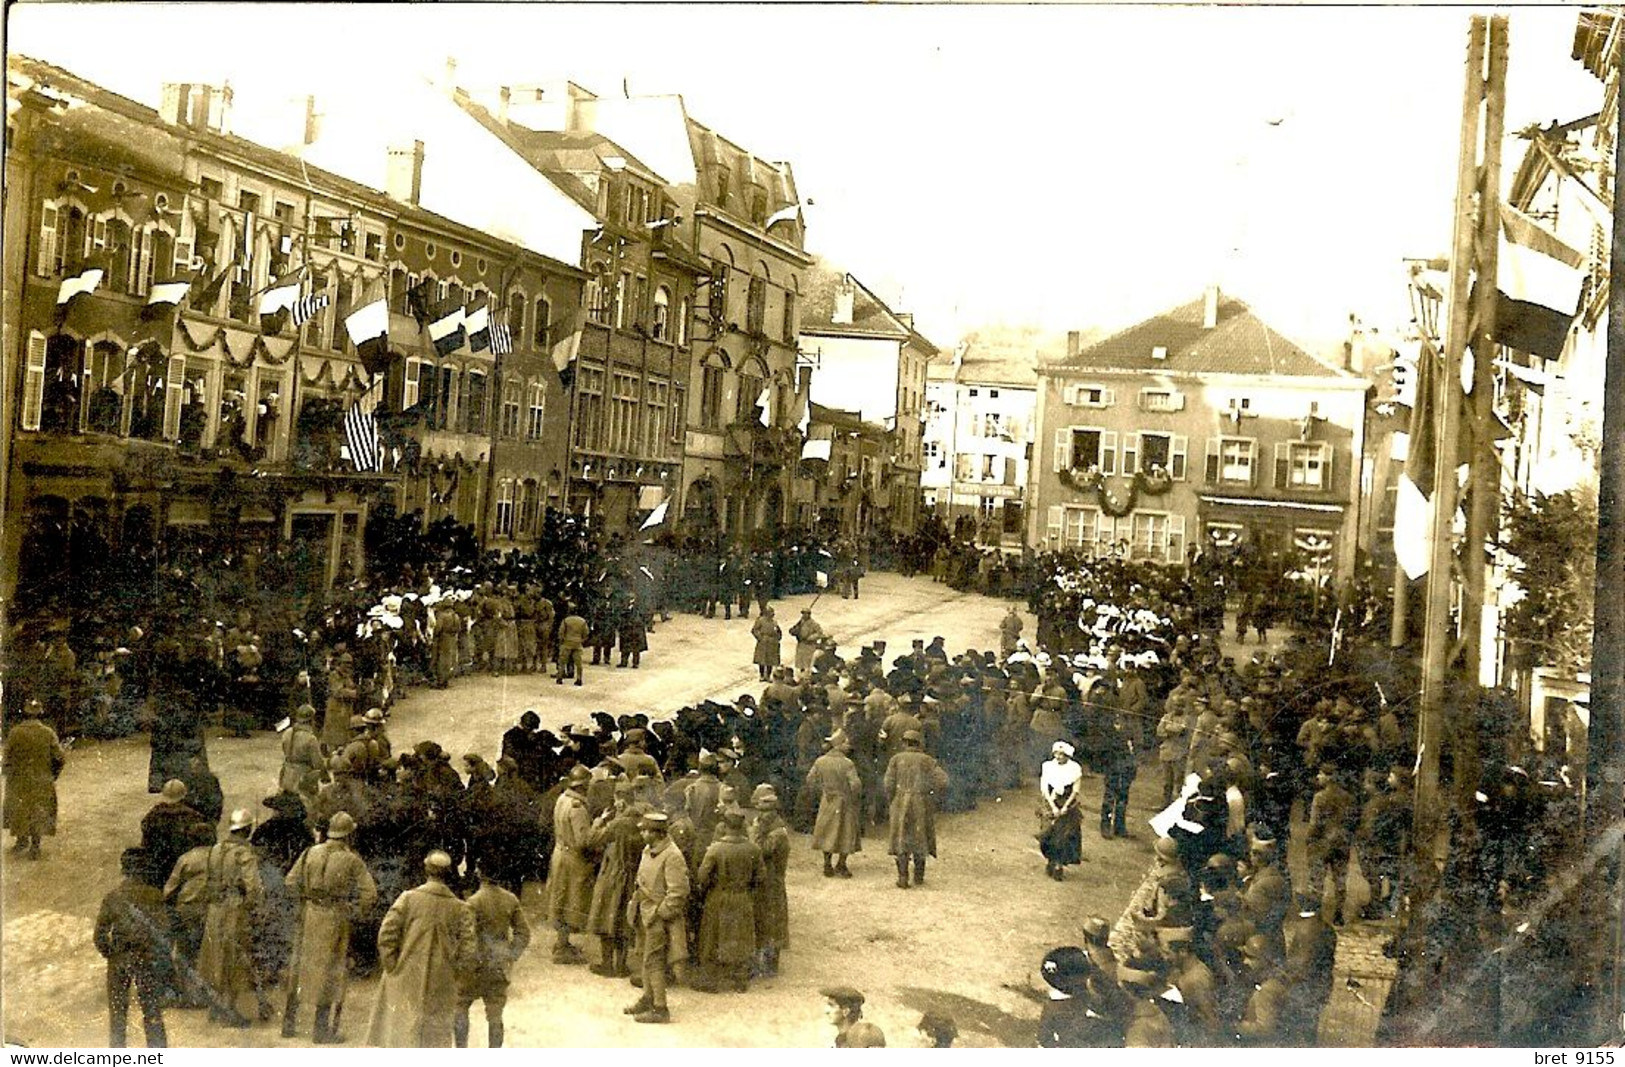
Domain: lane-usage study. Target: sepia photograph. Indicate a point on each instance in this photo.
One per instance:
(735, 526)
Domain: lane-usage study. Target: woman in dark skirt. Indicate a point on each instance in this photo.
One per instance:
(1062, 839)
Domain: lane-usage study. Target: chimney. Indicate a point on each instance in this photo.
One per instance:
(845, 295)
(504, 97)
(403, 177)
(197, 106)
(1074, 343)
(1210, 307)
(313, 126)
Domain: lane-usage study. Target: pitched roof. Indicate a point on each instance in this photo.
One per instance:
(870, 317)
(1240, 343)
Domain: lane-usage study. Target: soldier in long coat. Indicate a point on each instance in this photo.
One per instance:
(501, 935)
(571, 872)
(838, 830)
(615, 835)
(33, 759)
(730, 876)
(341, 696)
(426, 945)
(301, 751)
(769, 833)
(809, 637)
(914, 782)
(768, 634)
(658, 911)
(333, 886)
(235, 893)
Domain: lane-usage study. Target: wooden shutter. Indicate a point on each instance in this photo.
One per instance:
(1176, 456)
(1327, 454)
(1212, 460)
(1283, 465)
(1108, 452)
(34, 381)
(143, 269)
(1105, 532)
(47, 241)
(1108, 397)
(1176, 539)
(1252, 466)
(174, 390)
(1052, 531)
(1131, 452)
(1062, 459)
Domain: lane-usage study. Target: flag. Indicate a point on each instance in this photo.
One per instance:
(166, 295)
(656, 517)
(1413, 507)
(765, 402)
(822, 578)
(368, 327)
(280, 295)
(1539, 286)
(784, 214)
(501, 338)
(816, 448)
(210, 294)
(361, 433)
(446, 330)
(246, 254)
(806, 417)
(306, 307)
(478, 325)
(85, 281)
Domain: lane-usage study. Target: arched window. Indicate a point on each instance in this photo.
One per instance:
(398, 286)
(660, 329)
(120, 256)
(454, 293)
(516, 315)
(543, 322)
(161, 256)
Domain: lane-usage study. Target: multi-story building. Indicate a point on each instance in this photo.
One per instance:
(1199, 426)
(979, 435)
(870, 359)
(738, 213)
(144, 430)
(847, 489)
(631, 369)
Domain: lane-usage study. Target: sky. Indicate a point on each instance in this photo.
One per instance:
(1065, 167)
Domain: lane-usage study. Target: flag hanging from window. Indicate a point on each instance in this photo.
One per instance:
(764, 400)
(368, 327)
(1538, 288)
(477, 323)
(361, 438)
(1413, 506)
(305, 308)
(281, 294)
(501, 337)
(817, 448)
(446, 329)
(165, 296)
(784, 214)
(656, 517)
(86, 280)
(418, 298)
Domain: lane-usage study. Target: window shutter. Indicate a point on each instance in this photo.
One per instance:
(143, 271)
(1063, 449)
(1176, 539)
(1212, 460)
(1283, 465)
(34, 381)
(1252, 462)
(47, 241)
(1108, 397)
(1176, 456)
(1131, 452)
(1108, 452)
(1105, 532)
(1327, 454)
(1052, 531)
(174, 389)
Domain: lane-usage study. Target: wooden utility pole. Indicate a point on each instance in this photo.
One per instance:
(1476, 214)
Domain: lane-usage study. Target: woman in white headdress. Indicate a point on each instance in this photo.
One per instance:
(1061, 841)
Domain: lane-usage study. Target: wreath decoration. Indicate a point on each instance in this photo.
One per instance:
(1155, 482)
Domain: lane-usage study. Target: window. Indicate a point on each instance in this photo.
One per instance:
(516, 315)
(538, 406)
(681, 330)
(756, 310)
(542, 322)
(660, 328)
(316, 325)
(527, 507)
(505, 508)
(933, 454)
(474, 397)
(994, 393)
(750, 389)
(789, 316)
(510, 408)
(963, 470)
(589, 407)
(211, 188)
(599, 292)
(640, 290)
(989, 468)
(992, 425)
(1148, 538)
(1143, 451)
(1161, 400)
(623, 413)
(1305, 465)
(679, 398)
(987, 505)
(654, 421)
(249, 202)
(120, 259)
(711, 397)
(375, 247)
(719, 294)
(411, 383)
(1082, 447)
(1231, 460)
(1089, 396)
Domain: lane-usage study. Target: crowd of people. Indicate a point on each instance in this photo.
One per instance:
(667, 839)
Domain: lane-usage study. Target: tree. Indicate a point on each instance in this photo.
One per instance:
(1554, 538)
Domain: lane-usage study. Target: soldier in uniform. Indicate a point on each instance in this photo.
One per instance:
(769, 833)
(33, 759)
(333, 886)
(571, 871)
(130, 936)
(658, 912)
(615, 834)
(301, 751)
(426, 944)
(501, 936)
(730, 876)
(914, 782)
(235, 893)
(572, 642)
(838, 830)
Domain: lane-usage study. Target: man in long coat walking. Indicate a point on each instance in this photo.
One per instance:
(570, 875)
(235, 893)
(838, 830)
(809, 637)
(301, 750)
(333, 887)
(425, 945)
(658, 911)
(914, 782)
(34, 757)
(768, 634)
(730, 876)
(616, 836)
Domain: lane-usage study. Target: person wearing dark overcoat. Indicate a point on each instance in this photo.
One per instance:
(1117, 747)
(501, 935)
(286, 834)
(914, 786)
(131, 934)
(426, 945)
(203, 790)
(571, 871)
(166, 829)
(730, 876)
(838, 829)
(769, 833)
(617, 839)
(333, 887)
(633, 633)
(767, 634)
(33, 759)
(341, 698)
(658, 912)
